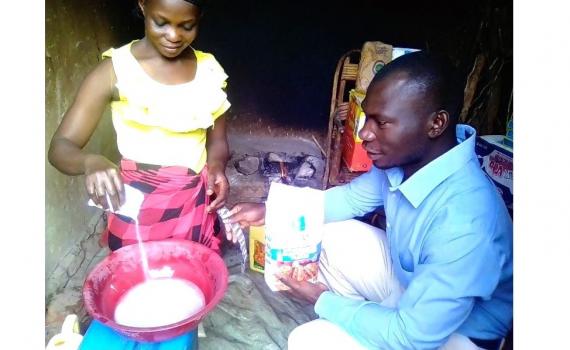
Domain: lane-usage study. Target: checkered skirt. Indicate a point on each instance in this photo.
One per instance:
(174, 206)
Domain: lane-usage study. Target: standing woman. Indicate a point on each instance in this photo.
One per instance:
(167, 100)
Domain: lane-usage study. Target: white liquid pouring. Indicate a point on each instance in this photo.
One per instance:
(144, 258)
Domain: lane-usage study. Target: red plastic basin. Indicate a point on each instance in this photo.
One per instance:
(122, 269)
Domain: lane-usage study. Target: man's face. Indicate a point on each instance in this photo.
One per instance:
(395, 133)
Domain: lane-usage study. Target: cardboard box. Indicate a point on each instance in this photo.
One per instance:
(353, 153)
(373, 56)
(354, 156)
(355, 116)
(257, 248)
(496, 160)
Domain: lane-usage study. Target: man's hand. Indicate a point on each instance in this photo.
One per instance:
(302, 290)
(248, 214)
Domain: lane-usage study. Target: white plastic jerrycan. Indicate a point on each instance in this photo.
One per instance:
(69, 338)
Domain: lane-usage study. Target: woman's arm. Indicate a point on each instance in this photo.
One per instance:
(218, 154)
(79, 122)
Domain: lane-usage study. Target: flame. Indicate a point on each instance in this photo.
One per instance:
(283, 170)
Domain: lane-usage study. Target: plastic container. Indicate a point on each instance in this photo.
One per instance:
(496, 160)
(98, 334)
(257, 248)
(121, 270)
(69, 337)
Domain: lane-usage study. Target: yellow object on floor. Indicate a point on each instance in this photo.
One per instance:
(69, 338)
(257, 248)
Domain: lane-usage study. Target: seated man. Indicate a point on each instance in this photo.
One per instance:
(441, 275)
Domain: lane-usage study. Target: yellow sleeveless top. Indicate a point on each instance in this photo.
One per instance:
(166, 124)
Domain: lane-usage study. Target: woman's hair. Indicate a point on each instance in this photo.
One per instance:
(198, 3)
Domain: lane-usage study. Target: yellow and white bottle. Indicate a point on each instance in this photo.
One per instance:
(69, 338)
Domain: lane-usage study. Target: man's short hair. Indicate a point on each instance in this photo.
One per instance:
(434, 75)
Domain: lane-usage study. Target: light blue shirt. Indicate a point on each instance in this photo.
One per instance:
(450, 239)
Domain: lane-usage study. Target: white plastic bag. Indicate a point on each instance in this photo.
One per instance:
(294, 221)
(132, 204)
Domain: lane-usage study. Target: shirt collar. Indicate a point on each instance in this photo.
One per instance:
(421, 183)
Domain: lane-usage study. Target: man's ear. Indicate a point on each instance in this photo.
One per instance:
(439, 121)
(141, 6)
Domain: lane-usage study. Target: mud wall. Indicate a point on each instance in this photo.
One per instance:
(77, 32)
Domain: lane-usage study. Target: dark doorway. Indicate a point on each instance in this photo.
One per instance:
(281, 55)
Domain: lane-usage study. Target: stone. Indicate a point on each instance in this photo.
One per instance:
(305, 171)
(247, 165)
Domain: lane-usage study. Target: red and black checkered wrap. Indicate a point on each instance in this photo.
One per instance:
(174, 206)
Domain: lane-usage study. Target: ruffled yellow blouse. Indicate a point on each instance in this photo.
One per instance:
(166, 124)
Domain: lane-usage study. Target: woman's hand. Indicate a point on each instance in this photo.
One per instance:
(102, 181)
(248, 214)
(218, 185)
